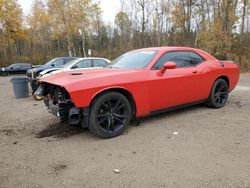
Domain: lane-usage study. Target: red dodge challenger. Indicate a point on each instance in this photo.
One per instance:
(137, 84)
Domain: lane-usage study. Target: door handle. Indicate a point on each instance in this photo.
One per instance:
(195, 72)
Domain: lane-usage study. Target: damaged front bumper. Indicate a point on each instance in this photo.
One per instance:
(74, 115)
(59, 104)
(55, 110)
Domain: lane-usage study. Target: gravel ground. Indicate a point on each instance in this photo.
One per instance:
(211, 149)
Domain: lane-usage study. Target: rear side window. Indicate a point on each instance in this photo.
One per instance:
(181, 58)
(99, 63)
(195, 58)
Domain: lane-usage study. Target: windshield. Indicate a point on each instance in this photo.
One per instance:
(48, 64)
(11, 66)
(133, 60)
(70, 64)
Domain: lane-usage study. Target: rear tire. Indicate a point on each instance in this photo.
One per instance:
(219, 94)
(110, 115)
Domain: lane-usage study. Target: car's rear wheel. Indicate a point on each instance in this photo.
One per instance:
(219, 94)
(110, 114)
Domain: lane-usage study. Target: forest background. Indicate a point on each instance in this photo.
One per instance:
(56, 28)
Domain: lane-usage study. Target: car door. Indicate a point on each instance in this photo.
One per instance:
(15, 69)
(24, 68)
(176, 86)
(82, 64)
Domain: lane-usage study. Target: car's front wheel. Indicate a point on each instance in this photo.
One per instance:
(219, 94)
(110, 114)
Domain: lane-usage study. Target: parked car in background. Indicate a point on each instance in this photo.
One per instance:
(18, 68)
(137, 84)
(29, 71)
(54, 63)
(79, 63)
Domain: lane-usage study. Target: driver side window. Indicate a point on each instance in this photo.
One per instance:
(181, 58)
(15, 67)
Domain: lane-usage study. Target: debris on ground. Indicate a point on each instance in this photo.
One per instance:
(117, 171)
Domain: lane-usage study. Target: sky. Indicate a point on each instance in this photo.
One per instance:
(109, 10)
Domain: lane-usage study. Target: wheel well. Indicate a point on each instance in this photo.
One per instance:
(224, 78)
(124, 92)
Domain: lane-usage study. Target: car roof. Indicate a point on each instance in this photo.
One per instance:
(176, 48)
(65, 57)
(101, 58)
(168, 48)
(21, 64)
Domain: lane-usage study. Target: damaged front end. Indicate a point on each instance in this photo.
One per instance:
(59, 103)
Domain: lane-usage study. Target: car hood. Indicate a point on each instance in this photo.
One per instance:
(67, 78)
(48, 70)
(58, 70)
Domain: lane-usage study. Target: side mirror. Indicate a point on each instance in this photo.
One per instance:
(74, 67)
(53, 64)
(168, 65)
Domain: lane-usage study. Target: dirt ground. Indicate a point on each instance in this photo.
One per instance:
(211, 149)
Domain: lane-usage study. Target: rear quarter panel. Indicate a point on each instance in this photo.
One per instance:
(233, 73)
(212, 70)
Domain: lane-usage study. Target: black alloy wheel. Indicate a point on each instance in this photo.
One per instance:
(219, 94)
(110, 115)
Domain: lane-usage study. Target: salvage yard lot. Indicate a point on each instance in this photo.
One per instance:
(211, 149)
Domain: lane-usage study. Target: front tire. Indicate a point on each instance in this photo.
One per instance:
(219, 94)
(110, 115)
